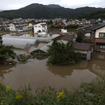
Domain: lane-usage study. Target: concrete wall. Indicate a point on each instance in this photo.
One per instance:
(37, 28)
(40, 27)
(98, 31)
(88, 54)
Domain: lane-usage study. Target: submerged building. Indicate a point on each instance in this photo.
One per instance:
(18, 42)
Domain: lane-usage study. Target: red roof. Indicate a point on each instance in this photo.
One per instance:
(65, 37)
(82, 46)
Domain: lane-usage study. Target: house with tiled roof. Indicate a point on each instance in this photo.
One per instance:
(62, 23)
(98, 37)
(84, 49)
(65, 38)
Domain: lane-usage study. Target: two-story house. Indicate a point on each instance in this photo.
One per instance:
(40, 29)
(98, 36)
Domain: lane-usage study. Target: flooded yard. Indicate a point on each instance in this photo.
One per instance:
(37, 74)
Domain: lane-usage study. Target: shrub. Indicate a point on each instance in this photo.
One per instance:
(6, 52)
(22, 58)
(80, 36)
(88, 94)
(62, 54)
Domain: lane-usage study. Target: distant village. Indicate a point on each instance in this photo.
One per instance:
(23, 33)
(26, 24)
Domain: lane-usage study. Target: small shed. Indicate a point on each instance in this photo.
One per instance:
(84, 49)
(43, 50)
(65, 38)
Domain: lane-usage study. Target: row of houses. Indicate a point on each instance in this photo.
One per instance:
(56, 22)
(65, 22)
(97, 37)
(40, 28)
(83, 48)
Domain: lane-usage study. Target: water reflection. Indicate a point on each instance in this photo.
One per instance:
(38, 74)
(64, 71)
(60, 70)
(4, 70)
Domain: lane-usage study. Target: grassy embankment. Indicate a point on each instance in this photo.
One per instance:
(88, 94)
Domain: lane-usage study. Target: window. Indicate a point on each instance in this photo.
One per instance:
(102, 46)
(102, 35)
(83, 56)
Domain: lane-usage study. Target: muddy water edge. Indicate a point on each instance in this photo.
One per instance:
(37, 74)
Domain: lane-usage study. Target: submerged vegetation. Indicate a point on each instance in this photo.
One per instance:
(88, 94)
(22, 58)
(6, 53)
(62, 54)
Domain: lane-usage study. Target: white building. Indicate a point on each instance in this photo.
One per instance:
(12, 27)
(63, 31)
(40, 29)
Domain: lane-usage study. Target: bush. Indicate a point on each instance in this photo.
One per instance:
(22, 58)
(6, 52)
(80, 36)
(72, 26)
(62, 54)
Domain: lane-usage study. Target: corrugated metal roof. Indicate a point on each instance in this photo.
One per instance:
(44, 48)
(18, 42)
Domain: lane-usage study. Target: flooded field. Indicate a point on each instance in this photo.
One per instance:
(38, 74)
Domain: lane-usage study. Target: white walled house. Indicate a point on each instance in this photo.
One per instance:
(65, 38)
(99, 38)
(40, 28)
(63, 31)
(12, 27)
(84, 49)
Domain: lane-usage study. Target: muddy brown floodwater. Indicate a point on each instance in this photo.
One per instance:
(38, 74)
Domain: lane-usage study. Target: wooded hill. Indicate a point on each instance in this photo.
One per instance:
(53, 11)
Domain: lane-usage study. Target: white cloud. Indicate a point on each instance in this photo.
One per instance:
(81, 3)
(15, 4)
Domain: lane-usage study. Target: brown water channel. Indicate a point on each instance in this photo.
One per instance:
(38, 74)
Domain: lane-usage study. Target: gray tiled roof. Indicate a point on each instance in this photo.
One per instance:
(81, 46)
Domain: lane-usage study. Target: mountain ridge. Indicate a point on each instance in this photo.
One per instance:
(51, 11)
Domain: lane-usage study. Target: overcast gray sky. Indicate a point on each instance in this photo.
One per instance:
(15, 4)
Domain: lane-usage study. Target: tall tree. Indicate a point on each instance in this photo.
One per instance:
(62, 54)
(1, 40)
(80, 36)
(6, 52)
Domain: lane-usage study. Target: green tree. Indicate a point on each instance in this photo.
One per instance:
(80, 36)
(6, 52)
(62, 54)
(1, 40)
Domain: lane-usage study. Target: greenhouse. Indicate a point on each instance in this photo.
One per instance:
(19, 42)
(43, 50)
